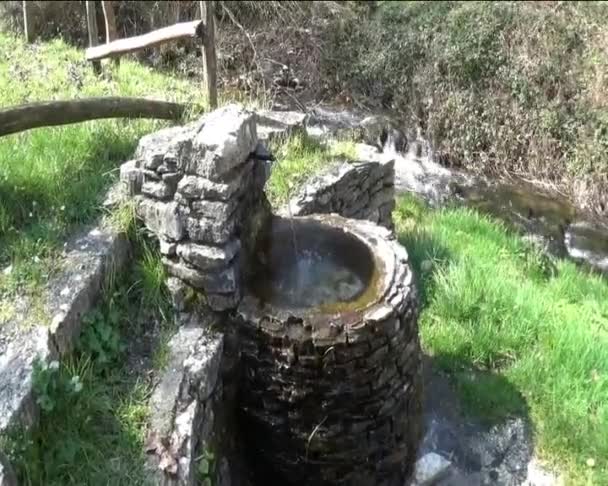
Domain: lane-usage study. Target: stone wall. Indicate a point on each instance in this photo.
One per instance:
(357, 190)
(332, 398)
(199, 189)
(184, 428)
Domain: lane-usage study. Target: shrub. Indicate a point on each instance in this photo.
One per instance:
(495, 86)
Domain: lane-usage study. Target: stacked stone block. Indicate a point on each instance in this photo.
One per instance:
(194, 187)
(358, 190)
(335, 399)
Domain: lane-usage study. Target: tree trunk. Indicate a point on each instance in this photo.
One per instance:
(52, 113)
(177, 10)
(28, 21)
(208, 50)
(92, 30)
(110, 23)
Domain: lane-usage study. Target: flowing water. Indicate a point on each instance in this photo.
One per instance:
(540, 215)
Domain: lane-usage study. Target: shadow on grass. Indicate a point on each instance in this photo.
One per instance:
(425, 254)
(477, 419)
(40, 205)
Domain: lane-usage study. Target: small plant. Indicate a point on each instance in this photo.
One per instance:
(100, 338)
(206, 467)
(52, 386)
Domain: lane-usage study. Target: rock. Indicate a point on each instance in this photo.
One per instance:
(167, 247)
(203, 366)
(172, 381)
(227, 138)
(179, 293)
(158, 190)
(152, 148)
(206, 257)
(161, 218)
(221, 302)
(224, 280)
(132, 177)
(211, 231)
(196, 187)
(361, 190)
(262, 153)
(273, 124)
(182, 417)
(218, 210)
(383, 133)
(431, 468)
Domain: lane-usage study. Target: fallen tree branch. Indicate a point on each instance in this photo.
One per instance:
(52, 113)
(151, 39)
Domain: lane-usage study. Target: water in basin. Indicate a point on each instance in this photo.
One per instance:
(317, 279)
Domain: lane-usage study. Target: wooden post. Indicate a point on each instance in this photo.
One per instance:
(208, 50)
(92, 30)
(110, 22)
(28, 21)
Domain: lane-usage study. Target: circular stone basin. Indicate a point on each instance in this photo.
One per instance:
(330, 390)
(310, 264)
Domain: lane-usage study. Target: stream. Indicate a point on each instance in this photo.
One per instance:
(546, 218)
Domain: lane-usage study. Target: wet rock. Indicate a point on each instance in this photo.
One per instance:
(430, 468)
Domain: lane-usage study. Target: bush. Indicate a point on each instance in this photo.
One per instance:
(515, 86)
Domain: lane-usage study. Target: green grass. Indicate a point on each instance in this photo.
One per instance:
(298, 158)
(519, 332)
(52, 179)
(94, 404)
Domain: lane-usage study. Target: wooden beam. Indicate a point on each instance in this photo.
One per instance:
(154, 38)
(52, 113)
(92, 30)
(208, 50)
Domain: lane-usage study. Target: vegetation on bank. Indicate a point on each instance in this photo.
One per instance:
(52, 179)
(518, 332)
(516, 87)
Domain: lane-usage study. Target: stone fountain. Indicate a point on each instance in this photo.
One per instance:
(321, 309)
